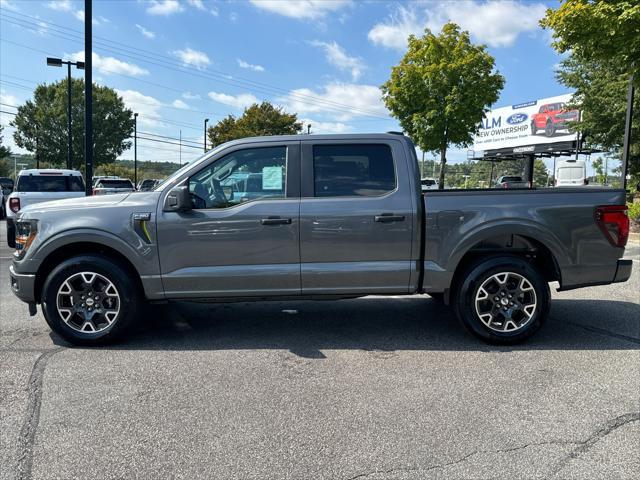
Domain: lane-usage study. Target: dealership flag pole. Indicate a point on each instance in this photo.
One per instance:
(88, 99)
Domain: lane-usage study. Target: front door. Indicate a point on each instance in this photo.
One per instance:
(242, 236)
(356, 218)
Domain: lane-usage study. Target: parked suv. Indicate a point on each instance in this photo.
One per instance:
(6, 187)
(552, 117)
(37, 186)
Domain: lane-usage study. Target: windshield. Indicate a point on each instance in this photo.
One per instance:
(571, 173)
(428, 183)
(49, 183)
(115, 184)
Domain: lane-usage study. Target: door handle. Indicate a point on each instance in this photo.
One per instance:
(275, 221)
(388, 217)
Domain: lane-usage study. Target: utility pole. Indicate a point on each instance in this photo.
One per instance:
(309, 129)
(205, 134)
(626, 148)
(88, 97)
(180, 150)
(135, 149)
(58, 62)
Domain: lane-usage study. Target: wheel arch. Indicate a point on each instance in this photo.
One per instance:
(534, 245)
(77, 248)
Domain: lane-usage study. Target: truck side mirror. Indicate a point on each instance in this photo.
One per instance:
(178, 200)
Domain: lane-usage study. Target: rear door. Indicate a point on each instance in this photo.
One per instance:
(356, 217)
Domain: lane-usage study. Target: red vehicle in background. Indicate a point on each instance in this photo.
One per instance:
(551, 118)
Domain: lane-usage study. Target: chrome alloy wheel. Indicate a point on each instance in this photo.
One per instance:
(506, 302)
(88, 302)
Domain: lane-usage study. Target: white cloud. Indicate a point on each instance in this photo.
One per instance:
(111, 65)
(145, 32)
(7, 5)
(164, 7)
(496, 23)
(249, 66)
(195, 58)
(238, 101)
(325, 127)
(177, 103)
(191, 96)
(60, 5)
(340, 100)
(301, 9)
(146, 106)
(197, 4)
(79, 14)
(337, 57)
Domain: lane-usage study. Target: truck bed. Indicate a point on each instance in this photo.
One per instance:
(556, 222)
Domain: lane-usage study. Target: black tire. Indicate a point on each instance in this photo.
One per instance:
(550, 129)
(11, 233)
(128, 300)
(438, 297)
(468, 288)
(534, 129)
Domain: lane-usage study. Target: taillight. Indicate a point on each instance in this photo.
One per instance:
(93, 191)
(505, 185)
(614, 223)
(14, 204)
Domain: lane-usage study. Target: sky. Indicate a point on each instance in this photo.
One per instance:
(176, 63)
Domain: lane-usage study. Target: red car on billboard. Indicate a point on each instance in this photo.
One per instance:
(552, 117)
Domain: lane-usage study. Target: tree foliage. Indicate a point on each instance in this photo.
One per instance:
(599, 30)
(41, 124)
(4, 156)
(441, 89)
(604, 40)
(257, 120)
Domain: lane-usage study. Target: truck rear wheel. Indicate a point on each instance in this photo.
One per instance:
(90, 300)
(502, 300)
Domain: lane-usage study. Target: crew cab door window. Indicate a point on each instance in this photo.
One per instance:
(358, 170)
(239, 177)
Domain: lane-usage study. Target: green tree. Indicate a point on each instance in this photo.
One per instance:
(441, 89)
(41, 124)
(4, 157)
(257, 120)
(600, 30)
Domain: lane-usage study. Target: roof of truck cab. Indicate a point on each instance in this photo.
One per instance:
(48, 171)
(334, 136)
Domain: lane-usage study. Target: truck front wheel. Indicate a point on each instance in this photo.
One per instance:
(502, 300)
(90, 300)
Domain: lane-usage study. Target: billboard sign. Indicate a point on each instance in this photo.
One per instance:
(543, 121)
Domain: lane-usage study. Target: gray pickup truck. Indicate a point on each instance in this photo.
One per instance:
(315, 217)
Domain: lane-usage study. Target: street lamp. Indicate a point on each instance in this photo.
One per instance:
(205, 134)
(135, 149)
(58, 62)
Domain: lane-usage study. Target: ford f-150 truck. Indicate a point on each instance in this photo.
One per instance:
(551, 118)
(317, 217)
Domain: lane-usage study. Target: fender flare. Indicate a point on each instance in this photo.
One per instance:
(525, 228)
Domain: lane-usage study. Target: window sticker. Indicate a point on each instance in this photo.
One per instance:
(272, 178)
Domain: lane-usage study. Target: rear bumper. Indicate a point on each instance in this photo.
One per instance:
(623, 272)
(23, 285)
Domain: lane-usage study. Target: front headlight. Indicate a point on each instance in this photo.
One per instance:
(26, 231)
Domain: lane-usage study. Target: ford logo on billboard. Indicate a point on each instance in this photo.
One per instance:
(517, 118)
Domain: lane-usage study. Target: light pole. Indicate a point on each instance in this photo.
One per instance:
(626, 146)
(180, 152)
(88, 96)
(206, 120)
(58, 62)
(135, 149)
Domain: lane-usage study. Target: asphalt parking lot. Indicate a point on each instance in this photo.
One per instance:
(372, 388)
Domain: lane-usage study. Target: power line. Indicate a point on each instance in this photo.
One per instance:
(170, 63)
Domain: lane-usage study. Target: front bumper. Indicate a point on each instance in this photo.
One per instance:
(623, 272)
(23, 285)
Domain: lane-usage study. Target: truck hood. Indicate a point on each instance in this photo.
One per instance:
(74, 203)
